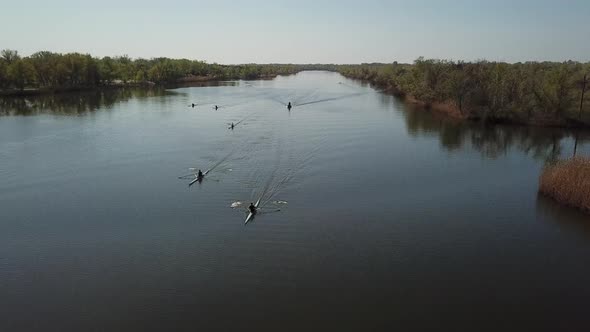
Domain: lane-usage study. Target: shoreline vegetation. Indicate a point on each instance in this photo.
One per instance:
(548, 94)
(532, 93)
(47, 72)
(568, 182)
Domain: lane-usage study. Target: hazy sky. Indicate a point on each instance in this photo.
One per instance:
(302, 31)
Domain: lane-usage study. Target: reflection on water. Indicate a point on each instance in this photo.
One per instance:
(493, 141)
(75, 103)
(197, 84)
(566, 217)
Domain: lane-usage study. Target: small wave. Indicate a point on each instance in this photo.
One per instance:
(236, 204)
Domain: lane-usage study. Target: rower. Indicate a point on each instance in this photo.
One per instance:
(252, 208)
(289, 106)
(216, 107)
(232, 126)
(193, 104)
(200, 174)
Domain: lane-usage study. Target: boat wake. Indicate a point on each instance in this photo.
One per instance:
(193, 175)
(332, 99)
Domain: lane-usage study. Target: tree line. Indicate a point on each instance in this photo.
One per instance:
(56, 71)
(530, 92)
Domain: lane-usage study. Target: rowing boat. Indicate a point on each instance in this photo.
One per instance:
(199, 178)
(251, 215)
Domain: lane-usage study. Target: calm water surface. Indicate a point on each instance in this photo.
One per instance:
(390, 218)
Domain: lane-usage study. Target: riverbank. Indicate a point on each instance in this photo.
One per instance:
(568, 182)
(185, 81)
(538, 120)
(450, 109)
(48, 72)
(531, 94)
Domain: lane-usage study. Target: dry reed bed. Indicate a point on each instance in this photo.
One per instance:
(568, 182)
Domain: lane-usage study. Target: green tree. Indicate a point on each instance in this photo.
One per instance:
(3, 75)
(156, 73)
(107, 69)
(9, 56)
(554, 93)
(458, 87)
(44, 63)
(583, 83)
(140, 76)
(21, 73)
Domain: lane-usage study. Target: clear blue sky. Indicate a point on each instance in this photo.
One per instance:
(302, 31)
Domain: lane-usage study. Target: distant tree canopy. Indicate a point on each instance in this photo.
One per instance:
(487, 90)
(74, 70)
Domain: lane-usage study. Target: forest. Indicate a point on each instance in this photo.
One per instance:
(543, 93)
(49, 71)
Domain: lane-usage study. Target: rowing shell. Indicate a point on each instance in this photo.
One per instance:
(251, 215)
(199, 178)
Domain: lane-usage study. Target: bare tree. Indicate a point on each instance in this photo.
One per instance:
(583, 85)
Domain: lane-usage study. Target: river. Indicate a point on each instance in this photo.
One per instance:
(376, 215)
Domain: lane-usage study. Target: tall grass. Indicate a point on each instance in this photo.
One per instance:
(568, 182)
